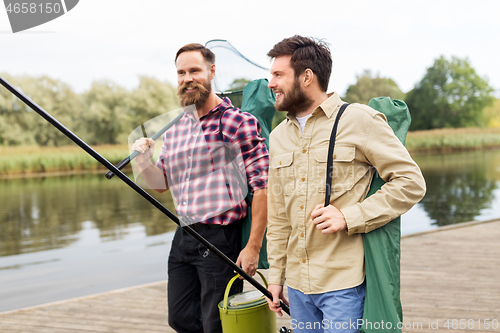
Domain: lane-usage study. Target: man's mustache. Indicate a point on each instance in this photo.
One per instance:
(191, 85)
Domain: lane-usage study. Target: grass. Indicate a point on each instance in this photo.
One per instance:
(452, 140)
(32, 159)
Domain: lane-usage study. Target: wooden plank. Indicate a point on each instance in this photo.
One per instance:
(447, 274)
(452, 274)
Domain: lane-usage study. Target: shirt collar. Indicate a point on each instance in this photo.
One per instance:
(223, 106)
(331, 105)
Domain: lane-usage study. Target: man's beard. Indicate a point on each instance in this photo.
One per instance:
(294, 101)
(198, 97)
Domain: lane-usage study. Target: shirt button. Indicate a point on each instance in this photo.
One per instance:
(280, 162)
(303, 261)
(334, 156)
(302, 235)
(301, 207)
(184, 203)
(304, 151)
(303, 179)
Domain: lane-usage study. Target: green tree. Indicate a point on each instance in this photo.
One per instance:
(150, 99)
(368, 86)
(19, 124)
(106, 113)
(492, 114)
(238, 84)
(451, 94)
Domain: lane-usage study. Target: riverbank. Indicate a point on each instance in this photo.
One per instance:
(18, 161)
(452, 140)
(15, 161)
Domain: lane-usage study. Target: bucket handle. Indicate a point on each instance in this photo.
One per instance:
(228, 287)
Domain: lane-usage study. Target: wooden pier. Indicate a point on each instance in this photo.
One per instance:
(449, 283)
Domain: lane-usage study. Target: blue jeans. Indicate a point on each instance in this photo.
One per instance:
(334, 311)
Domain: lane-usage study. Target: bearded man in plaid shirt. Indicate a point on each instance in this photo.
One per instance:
(196, 278)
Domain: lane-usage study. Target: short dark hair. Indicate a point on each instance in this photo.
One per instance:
(205, 52)
(306, 52)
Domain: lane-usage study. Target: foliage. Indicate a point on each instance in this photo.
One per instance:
(105, 114)
(368, 87)
(19, 124)
(452, 139)
(150, 99)
(238, 84)
(492, 114)
(450, 94)
(106, 108)
(32, 159)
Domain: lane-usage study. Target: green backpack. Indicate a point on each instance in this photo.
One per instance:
(257, 99)
(382, 245)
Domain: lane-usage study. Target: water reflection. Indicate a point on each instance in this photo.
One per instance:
(459, 186)
(47, 213)
(39, 214)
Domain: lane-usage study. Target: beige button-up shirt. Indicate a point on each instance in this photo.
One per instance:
(311, 261)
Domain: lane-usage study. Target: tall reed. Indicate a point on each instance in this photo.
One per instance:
(453, 139)
(32, 159)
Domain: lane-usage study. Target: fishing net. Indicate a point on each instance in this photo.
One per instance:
(233, 69)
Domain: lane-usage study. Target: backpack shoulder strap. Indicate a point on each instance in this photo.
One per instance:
(329, 161)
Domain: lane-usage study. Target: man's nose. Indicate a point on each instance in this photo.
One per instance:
(271, 84)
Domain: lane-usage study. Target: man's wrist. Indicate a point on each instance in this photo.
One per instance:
(144, 165)
(254, 246)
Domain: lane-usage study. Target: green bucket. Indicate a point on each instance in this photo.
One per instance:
(246, 312)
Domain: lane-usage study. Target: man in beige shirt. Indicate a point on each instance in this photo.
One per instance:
(319, 250)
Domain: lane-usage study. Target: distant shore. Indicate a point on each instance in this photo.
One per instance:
(451, 140)
(29, 160)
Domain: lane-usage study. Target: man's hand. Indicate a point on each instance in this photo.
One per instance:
(277, 292)
(146, 148)
(248, 260)
(328, 219)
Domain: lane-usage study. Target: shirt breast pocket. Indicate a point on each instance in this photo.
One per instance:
(283, 163)
(343, 167)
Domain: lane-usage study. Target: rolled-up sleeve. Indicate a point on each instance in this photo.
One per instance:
(254, 152)
(404, 187)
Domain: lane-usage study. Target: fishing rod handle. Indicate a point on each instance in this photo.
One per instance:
(122, 164)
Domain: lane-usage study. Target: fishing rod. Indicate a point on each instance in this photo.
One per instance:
(82, 144)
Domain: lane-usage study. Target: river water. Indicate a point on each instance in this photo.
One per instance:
(69, 236)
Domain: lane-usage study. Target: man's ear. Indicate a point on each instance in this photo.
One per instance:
(212, 71)
(308, 77)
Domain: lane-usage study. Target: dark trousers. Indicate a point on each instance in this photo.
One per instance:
(197, 278)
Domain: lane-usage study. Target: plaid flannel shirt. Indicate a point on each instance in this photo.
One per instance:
(203, 183)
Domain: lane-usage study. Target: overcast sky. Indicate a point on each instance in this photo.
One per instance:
(122, 39)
